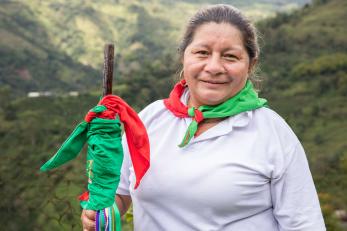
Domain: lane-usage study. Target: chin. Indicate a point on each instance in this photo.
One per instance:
(213, 99)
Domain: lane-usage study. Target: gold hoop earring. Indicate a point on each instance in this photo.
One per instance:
(181, 75)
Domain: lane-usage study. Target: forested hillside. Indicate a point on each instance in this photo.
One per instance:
(58, 46)
(80, 27)
(304, 63)
(29, 61)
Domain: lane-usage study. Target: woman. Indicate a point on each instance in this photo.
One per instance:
(239, 166)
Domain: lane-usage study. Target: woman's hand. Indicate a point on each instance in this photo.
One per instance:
(88, 216)
(88, 220)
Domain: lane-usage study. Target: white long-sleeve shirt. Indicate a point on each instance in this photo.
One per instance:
(248, 173)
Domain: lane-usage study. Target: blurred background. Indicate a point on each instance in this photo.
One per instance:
(51, 57)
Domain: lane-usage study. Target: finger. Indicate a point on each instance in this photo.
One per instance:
(90, 214)
(88, 224)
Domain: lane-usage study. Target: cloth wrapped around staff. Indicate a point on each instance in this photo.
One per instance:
(102, 131)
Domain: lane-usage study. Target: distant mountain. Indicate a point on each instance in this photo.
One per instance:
(81, 27)
(28, 59)
(58, 45)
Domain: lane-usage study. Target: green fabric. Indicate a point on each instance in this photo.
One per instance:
(104, 161)
(117, 217)
(99, 108)
(104, 158)
(102, 220)
(247, 99)
(69, 149)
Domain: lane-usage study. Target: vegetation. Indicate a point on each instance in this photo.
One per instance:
(29, 62)
(304, 60)
(58, 47)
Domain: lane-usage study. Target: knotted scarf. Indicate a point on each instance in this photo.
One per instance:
(135, 131)
(245, 100)
(101, 130)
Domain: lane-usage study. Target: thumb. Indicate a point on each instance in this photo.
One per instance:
(90, 214)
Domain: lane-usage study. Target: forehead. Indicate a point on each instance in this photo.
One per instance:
(217, 34)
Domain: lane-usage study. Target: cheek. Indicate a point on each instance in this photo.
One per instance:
(239, 70)
(191, 69)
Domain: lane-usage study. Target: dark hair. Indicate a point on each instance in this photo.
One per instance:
(223, 14)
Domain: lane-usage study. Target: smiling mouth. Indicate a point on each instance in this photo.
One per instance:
(213, 82)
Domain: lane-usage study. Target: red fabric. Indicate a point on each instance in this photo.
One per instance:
(174, 104)
(135, 131)
(84, 196)
(198, 116)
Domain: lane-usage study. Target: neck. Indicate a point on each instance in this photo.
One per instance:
(195, 104)
(191, 104)
(212, 120)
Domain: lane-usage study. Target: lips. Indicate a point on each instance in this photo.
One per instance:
(213, 82)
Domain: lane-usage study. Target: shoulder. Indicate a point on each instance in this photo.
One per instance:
(268, 117)
(274, 128)
(281, 142)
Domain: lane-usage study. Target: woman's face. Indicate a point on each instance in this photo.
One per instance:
(215, 64)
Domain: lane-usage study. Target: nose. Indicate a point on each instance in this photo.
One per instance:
(214, 65)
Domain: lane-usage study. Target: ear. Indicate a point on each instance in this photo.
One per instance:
(252, 63)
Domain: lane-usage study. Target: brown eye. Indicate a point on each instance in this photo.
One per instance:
(231, 57)
(202, 52)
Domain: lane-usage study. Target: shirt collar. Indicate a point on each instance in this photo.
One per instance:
(224, 127)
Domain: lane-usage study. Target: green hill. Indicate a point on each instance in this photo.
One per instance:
(303, 62)
(58, 45)
(29, 61)
(81, 27)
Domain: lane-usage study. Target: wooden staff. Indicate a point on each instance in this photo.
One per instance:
(108, 69)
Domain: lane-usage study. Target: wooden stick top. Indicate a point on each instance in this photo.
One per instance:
(108, 69)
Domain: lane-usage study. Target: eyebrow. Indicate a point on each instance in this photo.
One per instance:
(200, 45)
(237, 48)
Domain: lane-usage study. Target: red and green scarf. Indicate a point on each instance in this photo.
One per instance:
(101, 130)
(245, 100)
